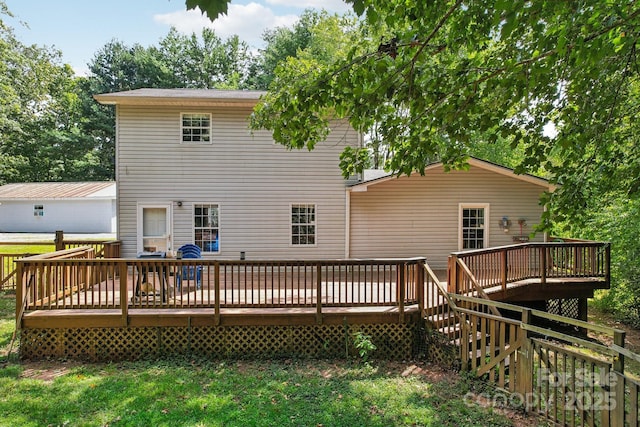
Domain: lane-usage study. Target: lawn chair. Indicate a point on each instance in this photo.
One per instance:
(190, 272)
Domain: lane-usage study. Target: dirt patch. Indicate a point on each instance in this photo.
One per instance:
(46, 371)
(436, 374)
(632, 336)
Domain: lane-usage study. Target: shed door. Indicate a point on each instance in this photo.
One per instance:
(154, 228)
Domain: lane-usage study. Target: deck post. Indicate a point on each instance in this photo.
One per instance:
(524, 369)
(124, 293)
(617, 412)
(607, 262)
(452, 284)
(503, 269)
(20, 293)
(420, 284)
(216, 282)
(59, 240)
(401, 289)
(618, 362)
(543, 258)
(319, 294)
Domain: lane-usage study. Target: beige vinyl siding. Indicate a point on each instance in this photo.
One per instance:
(252, 179)
(418, 215)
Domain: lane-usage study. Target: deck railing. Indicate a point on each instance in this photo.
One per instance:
(475, 271)
(567, 379)
(200, 283)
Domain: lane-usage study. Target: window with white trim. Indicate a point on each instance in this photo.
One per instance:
(196, 128)
(303, 224)
(206, 227)
(38, 210)
(473, 230)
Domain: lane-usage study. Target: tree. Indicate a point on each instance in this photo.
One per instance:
(315, 34)
(448, 70)
(40, 135)
(204, 61)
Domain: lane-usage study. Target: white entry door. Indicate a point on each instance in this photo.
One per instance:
(154, 228)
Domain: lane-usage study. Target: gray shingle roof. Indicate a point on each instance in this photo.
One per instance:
(181, 96)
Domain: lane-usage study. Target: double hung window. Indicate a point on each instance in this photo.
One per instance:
(206, 227)
(303, 224)
(196, 128)
(473, 231)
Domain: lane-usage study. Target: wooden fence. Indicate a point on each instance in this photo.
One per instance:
(569, 379)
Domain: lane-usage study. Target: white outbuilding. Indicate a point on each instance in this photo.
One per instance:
(44, 207)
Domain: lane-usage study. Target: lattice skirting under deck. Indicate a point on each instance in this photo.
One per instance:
(569, 307)
(393, 341)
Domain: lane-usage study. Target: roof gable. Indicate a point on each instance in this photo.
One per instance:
(482, 164)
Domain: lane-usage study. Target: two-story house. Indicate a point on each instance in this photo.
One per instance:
(189, 170)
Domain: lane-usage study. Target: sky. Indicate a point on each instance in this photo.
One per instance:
(79, 28)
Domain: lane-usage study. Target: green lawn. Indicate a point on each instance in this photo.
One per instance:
(26, 248)
(199, 392)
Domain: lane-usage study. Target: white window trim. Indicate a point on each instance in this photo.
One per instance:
(315, 223)
(487, 222)
(182, 114)
(193, 225)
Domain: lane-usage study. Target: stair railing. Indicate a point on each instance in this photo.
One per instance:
(458, 268)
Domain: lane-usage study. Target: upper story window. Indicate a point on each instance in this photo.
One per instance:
(196, 127)
(38, 210)
(303, 225)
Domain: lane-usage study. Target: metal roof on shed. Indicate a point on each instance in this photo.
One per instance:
(54, 190)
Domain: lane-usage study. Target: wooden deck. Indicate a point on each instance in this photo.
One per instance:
(73, 285)
(169, 292)
(171, 317)
(239, 305)
(73, 305)
(534, 289)
(531, 272)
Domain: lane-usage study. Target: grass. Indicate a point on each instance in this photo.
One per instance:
(26, 248)
(193, 391)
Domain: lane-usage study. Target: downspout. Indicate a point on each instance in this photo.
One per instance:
(347, 224)
(545, 208)
(347, 209)
(116, 166)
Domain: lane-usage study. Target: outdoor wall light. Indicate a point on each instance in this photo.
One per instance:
(179, 203)
(522, 223)
(505, 224)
